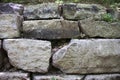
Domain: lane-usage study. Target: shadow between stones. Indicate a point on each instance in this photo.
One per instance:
(7, 67)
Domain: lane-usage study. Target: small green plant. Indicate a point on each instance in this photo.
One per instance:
(53, 78)
(107, 17)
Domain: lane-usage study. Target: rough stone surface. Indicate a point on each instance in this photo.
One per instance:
(93, 28)
(29, 55)
(81, 11)
(57, 77)
(10, 8)
(118, 13)
(1, 56)
(41, 11)
(89, 56)
(32, 1)
(103, 77)
(9, 25)
(13, 76)
(50, 29)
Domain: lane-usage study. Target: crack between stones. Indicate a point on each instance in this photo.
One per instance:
(81, 30)
(52, 69)
(31, 76)
(60, 10)
(84, 77)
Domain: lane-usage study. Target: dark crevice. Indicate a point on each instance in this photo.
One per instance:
(31, 76)
(80, 28)
(21, 28)
(56, 45)
(71, 19)
(53, 70)
(6, 66)
(60, 10)
(98, 37)
(82, 31)
(59, 43)
(84, 77)
(40, 19)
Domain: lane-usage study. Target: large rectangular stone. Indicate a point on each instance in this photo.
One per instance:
(58, 77)
(73, 11)
(41, 11)
(89, 56)
(9, 25)
(29, 55)
(51, 29)
(98, 28)
(14, 76)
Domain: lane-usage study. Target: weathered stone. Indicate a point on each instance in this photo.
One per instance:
(10, 8)
(58, 77)
(41, 11)
(29, 55)
(13, 76)
(118, 13)
(1, 56)
(50, 29)
(103, 77)
(89, 56)
(9, 25)
(93, 28)
(81, 11)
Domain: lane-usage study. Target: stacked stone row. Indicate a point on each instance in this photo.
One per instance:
(22, 30)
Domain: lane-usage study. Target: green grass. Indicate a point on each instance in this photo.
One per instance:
(53, 78)
(107, 17)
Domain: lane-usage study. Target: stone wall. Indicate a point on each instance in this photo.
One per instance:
(52, 41)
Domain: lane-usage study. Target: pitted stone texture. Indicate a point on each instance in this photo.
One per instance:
(93, 28)
(10, 8)
(9, 25)
(103, 77)
(1, 56)
(41, 11)
(13, 76)
(50, 29)
(29, 55)
(118, 13)
(58, 77)
(89, 56)
(81, 11)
